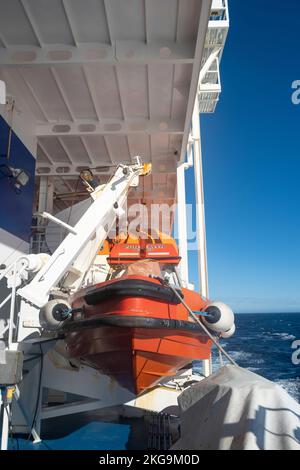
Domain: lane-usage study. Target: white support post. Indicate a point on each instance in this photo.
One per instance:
(12, 308)
(182, 226)
(200, 212)
(45, 204)
(200, 215)
(46, 194)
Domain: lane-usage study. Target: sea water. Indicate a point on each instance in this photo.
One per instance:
(263, 344)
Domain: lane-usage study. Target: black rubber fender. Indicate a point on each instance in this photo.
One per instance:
(131, 288)
(122, 321)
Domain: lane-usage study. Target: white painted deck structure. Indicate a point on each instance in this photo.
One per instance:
(104, 80)
(93, 83)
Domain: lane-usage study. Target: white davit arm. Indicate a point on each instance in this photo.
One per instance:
(101, 213)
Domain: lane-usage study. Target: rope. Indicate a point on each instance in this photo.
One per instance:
(221, 359)
(197, 319)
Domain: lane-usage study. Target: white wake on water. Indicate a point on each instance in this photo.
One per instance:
(283, 336)
(291, 386)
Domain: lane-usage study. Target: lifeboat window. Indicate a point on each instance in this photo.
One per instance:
(169, 273)
(146, 268)
(143, 268)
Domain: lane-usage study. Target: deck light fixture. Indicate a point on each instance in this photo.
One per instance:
(88, 179)
(18, 176)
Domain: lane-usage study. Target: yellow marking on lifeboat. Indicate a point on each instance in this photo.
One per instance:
(147, 168)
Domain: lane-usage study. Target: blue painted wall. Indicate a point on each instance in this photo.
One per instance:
(15, 209)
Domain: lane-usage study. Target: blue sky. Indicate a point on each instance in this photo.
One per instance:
(251, 152)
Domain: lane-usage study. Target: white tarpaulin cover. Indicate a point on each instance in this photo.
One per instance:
(236, 409)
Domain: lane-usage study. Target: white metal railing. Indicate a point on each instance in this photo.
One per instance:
(14, 273)
(10, 326)
(215, 39)
(39, 243)
(211, 82)
(219, 11)
(210, 89)
(218, 27)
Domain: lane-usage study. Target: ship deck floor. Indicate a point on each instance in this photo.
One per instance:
(87, 431)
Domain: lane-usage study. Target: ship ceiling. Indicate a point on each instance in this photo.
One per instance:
(104, 81)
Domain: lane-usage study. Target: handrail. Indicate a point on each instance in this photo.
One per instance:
(12, 298)
(12, 307)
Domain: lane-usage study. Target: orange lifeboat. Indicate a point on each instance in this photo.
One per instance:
(132, 327)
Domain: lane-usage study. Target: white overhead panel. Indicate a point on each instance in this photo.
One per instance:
(108, 79)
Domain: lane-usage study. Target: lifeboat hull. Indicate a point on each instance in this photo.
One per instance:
(138, 335)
